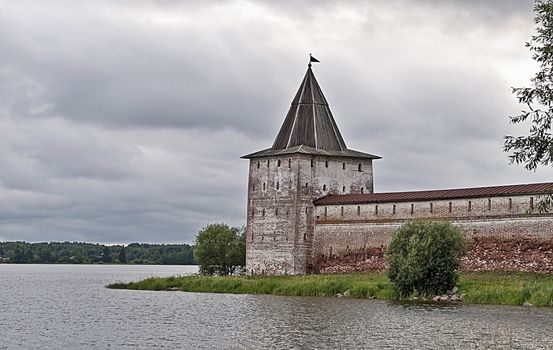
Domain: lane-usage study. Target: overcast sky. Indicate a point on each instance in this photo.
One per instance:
(124, 121)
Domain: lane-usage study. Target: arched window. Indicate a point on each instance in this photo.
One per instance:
(312, 163)
(510, 204)
(326, 164)
(489, 204)
(278, 163)
(394, 209)
(342, 211)
(359, 167)
(324, 187)
(264, 186)
(344, 189)
(362, 190)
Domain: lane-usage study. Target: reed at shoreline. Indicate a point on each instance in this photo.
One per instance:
(500, 288)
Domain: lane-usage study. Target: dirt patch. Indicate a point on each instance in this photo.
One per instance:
(483, 254)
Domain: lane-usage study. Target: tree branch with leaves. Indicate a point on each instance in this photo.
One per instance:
(536, 148)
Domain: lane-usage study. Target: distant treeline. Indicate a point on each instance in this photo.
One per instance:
(90, 253)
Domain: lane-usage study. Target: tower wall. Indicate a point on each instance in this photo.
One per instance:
(281, 215)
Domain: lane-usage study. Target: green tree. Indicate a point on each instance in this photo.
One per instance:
(106, 255)
(122, 256)
(424, 257)
(536, 148)
(220, 249)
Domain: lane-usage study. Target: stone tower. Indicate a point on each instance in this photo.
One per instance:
(309, 159)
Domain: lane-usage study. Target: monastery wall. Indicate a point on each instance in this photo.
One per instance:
(358, 234)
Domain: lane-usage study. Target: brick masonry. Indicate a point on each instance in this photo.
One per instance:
(354, 237)
(280, 219)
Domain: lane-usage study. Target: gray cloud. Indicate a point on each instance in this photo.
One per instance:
(124, 121)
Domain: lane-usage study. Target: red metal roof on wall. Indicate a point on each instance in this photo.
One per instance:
(413, 196)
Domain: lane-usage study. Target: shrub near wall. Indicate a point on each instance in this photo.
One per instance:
(424, 257)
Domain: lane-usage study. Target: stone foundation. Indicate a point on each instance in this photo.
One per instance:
(517, 254)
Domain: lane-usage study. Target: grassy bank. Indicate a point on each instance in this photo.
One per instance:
(477, 288)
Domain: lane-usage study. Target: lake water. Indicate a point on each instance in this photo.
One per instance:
(67, 307)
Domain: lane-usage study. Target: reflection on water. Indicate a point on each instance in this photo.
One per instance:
(67, 306)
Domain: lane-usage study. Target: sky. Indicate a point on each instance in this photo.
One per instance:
(124, 121)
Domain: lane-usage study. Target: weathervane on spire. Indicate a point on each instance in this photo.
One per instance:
(312, 59)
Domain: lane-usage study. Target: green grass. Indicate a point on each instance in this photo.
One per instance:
(507, 288)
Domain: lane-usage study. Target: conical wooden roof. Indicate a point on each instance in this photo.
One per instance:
(309, 126)
(309, 121)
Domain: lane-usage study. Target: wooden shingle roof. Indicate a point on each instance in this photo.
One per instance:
(459, 193)
(309, 126)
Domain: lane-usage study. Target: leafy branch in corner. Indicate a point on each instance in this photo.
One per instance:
(536, 148)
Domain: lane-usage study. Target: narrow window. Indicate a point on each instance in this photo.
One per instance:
(394, 209)
(342, 211)
(324, 187)
(306, 185)
(412, 208)
(531, 203)
(470, 205)
(257, 164)
(253, 187)
(376, 210)
(276, 211)
(268, 163)
(431, 207)
(289, 163)
(312, 163)
(358, 210)
(287, 212)
(343, 166)
(326, 211)
(278, 185)
(326, 164)
(510, 204)
(344, 189)
(264, 186)
(359, 167)
(252, 241)
(253, 213)
(362, 190)
(450, 206)
(278, 163)
(263, 213)
(489, 204)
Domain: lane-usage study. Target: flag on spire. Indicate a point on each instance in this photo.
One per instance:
(313, 59)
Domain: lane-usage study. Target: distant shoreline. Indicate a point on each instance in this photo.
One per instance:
(495, 288)
(95, 253)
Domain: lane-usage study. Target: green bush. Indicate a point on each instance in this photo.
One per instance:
(424, 257)
(220, 250)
